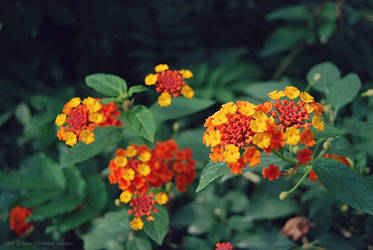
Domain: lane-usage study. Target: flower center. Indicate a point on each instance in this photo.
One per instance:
(170, 81)
(236, 130)
(78, 117)
(290, 114)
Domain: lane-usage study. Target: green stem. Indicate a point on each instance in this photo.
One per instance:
(285, 158)
(300, 181)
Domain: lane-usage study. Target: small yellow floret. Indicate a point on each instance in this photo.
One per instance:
(145, 156)
(136, 224)
(71, 139)
(262, 140)
(259, 124)
(218, 118)
(229, 107)
(125, 196)
(231, 153)
(60, 119)
(275, 95)
(96, 117)
(131, 151)
(292, 92)
(305, 97)
(164, 99)
(120, 161)
(87, 136)
(151, 79)
(292, 136)
(128, 174)
(144, 170)
(187, 74)
(187, 92)
(161, 198)
(212, 138)
(318, 123)
(246, 108)
(161, 67)
(92, 104)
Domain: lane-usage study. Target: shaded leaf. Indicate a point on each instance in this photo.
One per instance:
(139, 243)
(76, 185)
(211, 172)
(107, 84)
(97, 193)
(329, 73)
(141, 120)
(80, 152)
(345, 184)
(137, 89)
(158, 229)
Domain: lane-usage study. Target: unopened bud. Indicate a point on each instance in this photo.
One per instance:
(176, 126)
(327, 145)
(295, 149)
(217, 211)
(316, 77)
(168, 186)
(292, 171)
(367, 93)
(283, 195)
(117, 202)
(344, 208)
(127, 105)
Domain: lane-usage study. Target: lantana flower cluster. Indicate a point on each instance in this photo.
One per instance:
(17, 220)
(239, 133)
(136, 169)
(79, 119)
(170, 83)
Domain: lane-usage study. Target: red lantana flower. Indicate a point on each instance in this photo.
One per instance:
(271, 173)
(304, 156)
(224, 246)
(17, 219)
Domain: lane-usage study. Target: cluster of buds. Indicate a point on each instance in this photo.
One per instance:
(138, 168)
(170, 83)
(239, 133)
(17, 220)
(79, 119)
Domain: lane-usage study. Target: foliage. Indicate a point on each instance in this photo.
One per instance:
(238, 50)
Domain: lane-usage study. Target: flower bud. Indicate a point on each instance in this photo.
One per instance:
(176, 126)
(327, 145)
(344, 208)
(217, 211)
(367, 93)
(117, 202)
(316, 77)
(292, 171)
(283, 195)
(295, 149)
(127, 105)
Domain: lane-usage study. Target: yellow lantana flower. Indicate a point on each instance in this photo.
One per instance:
(164, 99)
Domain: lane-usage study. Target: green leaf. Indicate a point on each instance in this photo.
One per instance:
(283, 39)
(271, 208)
(210, 172)
(73, 220)
(141, 120)
(291, 13)
(345, 184)
(344, 91)
(23, 113)
(97, 193)
(329, 131)
(266, 240)
(107, 84)
(19, 181)
(329, 73)
(194, 243)
(237, 201)
(107, 231)
(50, 171)
(37, 197)
(139, 243)
(240, 223)
(157, 229)
(105, 137)
(260, 90)
(180, 107)
(137, 89)
(341, 146)
(5, 117)
(75, 182)
(56, 207)
(333, 242)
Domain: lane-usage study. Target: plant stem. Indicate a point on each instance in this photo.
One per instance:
(300, 181)
(285, 158)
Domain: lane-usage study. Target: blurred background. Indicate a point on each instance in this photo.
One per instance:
(47, 47)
